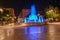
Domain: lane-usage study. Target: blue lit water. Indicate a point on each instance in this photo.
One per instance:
(33, 17)
(34, 29)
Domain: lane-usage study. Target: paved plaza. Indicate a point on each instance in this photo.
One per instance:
(45, 32)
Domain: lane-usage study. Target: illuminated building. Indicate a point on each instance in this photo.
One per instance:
(24, 13)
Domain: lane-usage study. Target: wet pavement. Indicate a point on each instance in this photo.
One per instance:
(47, 32)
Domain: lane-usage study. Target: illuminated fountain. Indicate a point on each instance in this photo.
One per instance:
(33, 17)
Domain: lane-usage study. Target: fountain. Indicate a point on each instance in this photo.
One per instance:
(33, 17)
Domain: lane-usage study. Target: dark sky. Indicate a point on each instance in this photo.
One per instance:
(27, 3)
(19, 4)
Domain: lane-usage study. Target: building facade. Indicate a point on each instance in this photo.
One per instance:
(24, 13)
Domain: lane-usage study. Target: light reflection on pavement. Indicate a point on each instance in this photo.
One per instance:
(48, 32)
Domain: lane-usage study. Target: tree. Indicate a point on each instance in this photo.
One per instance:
(4, 16)
(52, 12)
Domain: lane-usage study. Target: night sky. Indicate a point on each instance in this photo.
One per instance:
(19, 4)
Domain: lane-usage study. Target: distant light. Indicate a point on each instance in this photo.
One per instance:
(50, 10)
(1, 9)
(7, 14)
(25, 20)
(38, 14)
(15, 17)
(10, 17)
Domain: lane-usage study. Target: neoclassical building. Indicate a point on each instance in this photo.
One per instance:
(23, 14)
